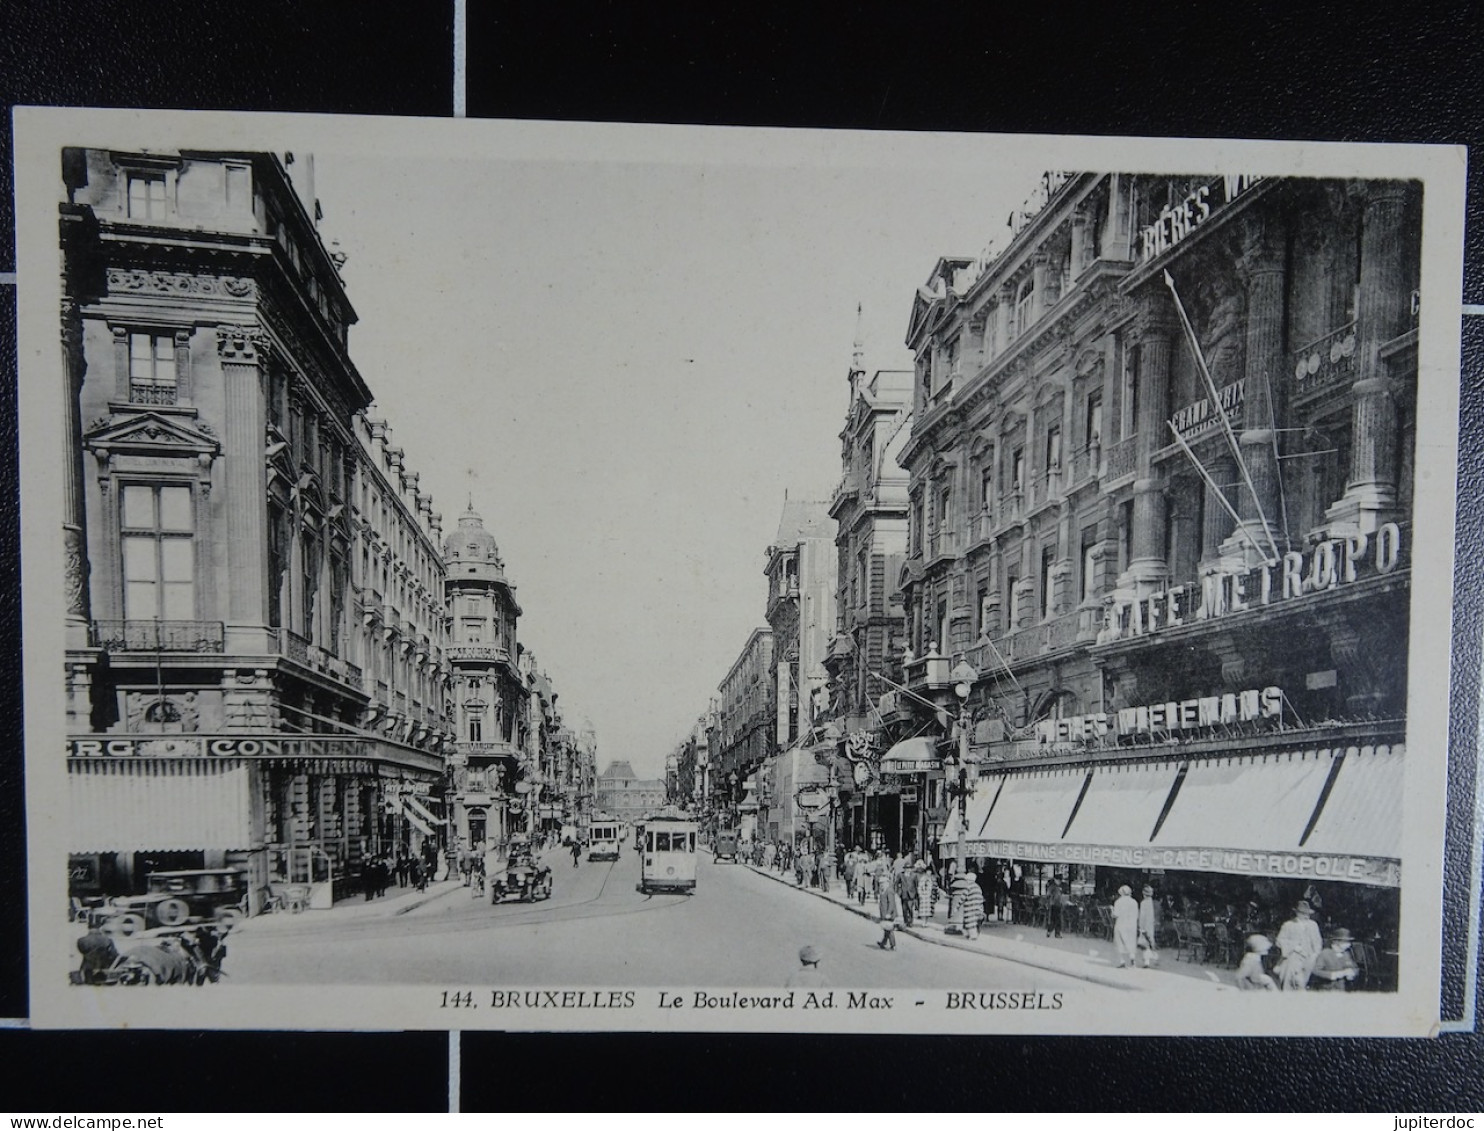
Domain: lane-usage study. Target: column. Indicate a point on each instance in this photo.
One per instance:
(1217, 524)
(1261, 267)
(1039, 273)
(1147, 568)
(1381, 315)
(1002, 319)
(244, 353)
(78, 606)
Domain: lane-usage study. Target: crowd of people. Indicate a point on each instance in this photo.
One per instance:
(405, 869)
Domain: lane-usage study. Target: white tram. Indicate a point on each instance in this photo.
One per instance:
(603, 839)
(668, 855)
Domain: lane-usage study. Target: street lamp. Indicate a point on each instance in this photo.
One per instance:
(963, 676)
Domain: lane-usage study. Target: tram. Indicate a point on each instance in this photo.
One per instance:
(668, 857)
(603, 838)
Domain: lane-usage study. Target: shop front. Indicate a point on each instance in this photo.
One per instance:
(1236, 837)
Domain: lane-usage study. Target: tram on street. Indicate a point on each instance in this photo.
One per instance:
(668, 856)
(603, 839)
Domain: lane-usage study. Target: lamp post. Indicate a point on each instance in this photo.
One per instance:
(963, 676)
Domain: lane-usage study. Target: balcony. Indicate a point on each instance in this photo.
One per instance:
(292, 646)
(926, 672)
(158, 635)
(981, 527)
(1122, 459)
(1044, 638)
(1325, 363)
(149, 393)
(942, 544)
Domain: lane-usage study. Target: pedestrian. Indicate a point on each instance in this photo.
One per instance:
(1125, 926)
(1148, 952)
(1300, 942)
(1053, 908)
(927, 891)
(576, 851)
(889, 912)
(808, 974)
(970, 899)
(906, 885)
(1335, 967)
(415, 873)
(1250, 974)
(404, 869)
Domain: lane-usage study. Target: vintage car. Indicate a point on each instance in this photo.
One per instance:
(523, 876)
(173, 899)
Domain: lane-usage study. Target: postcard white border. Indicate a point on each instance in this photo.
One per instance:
(41, 132)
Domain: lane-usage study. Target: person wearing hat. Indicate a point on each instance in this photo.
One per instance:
(1125, 926)
(1335, 967)
(1147, 950)
(808, 974)
(1250, 974)
(1300, 941)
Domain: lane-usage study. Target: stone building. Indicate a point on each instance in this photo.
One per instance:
(801, 613)
(492, 708)
(255, 670)
(1180, 575)
(624, 796)
(746, 721)
(863, 660)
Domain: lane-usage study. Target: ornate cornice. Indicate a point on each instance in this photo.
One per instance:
(244, 345)
(141, 280)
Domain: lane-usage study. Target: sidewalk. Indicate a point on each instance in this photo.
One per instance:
(356, 909)
(1091, 959)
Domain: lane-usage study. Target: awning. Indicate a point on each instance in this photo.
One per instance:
(911, 756)
(158, 804)
(414, 820)
(1363, 814)
(1123, 803)
(422, 810)
(1024, 807)
(1261, 803)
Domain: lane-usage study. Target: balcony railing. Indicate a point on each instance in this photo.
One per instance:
(491, 652)
(1080, 625)
(1122, 458)
(292, 646)
(1326, 362)
(981, 527)
(149, 393)
(942, 543)
(159, 635)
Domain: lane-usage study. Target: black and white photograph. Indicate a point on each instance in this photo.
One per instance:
(555, 576)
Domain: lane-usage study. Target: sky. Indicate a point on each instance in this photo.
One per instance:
(626, 363)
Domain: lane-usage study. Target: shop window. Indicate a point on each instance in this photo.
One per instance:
(157, 531)
(153, 376)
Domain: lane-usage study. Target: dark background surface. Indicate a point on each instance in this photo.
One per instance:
(1326, 72)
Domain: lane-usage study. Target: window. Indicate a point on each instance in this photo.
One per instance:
(1094, 419)
(986, 486)
(476, 729)
(1130, 394)
(981, 611)
(1017, 471)
(1012, 590)
(146, 196)
(152, 373)
(1048, 563)
(473, 631)
(157, 531)
(1088, 588)
(1023, 301)
(1125, 534)
(942, 626)
(1053, 447)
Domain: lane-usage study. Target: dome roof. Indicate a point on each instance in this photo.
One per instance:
(471, 542)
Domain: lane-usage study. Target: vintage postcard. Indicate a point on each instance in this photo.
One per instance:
(611, 577)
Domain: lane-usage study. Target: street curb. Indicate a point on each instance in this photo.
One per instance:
(1050, 967)
(446, 887)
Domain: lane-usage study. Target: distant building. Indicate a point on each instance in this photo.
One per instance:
(746, 721)
(626, 797)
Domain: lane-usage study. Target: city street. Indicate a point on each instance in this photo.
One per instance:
(740, 928)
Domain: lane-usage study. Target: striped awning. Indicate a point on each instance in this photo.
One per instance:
(422, 810)
(414, 819)
(158, 804)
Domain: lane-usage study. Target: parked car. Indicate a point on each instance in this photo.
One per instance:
(173, 899)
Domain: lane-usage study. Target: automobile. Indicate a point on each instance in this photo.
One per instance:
(523, 876)
(724, 847)
(173, 899)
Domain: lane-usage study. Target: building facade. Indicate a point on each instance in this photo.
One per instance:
(864, 656)
(801, 613)
(255, 670)
(492, 714)
(1161, 473)
(624, 796)
(746, 724)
